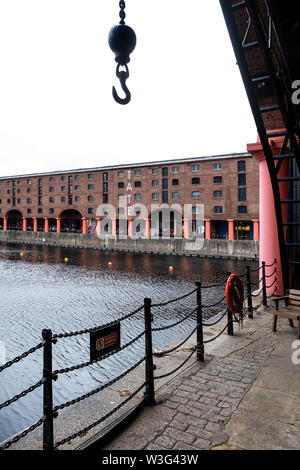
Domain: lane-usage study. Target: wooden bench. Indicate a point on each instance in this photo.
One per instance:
(291, 311)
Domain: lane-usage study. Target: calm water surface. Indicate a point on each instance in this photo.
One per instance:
(40, 290)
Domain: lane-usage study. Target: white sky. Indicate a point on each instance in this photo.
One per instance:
(57, 71)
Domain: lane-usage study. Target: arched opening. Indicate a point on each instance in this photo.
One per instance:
(14, 220)
(70, 221)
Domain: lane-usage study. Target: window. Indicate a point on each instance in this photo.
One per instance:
(138, 210)
(29, 200)
(29, 181)
(8, 191)
(90, 210)
(70, 179)
(105, 211)
(175, 182)
(218, 194)
(137, 184)
(29, 190)
(40, 210)
(28, 211)
(63, 188)
(120, 185)
(51, 199)
(77, 187)
(242, 166)
(19, 201)
(218, 210)
(121, 210)
(90, 198)
(165, 171)
(105, 187)
(77, 198)
(8, 201)
(196, 210)
(8, 183)
(70, 199)
(70, 189)
(105, 176)
(154, 196)
(63, 178)
(19, 182)
(217, 166)
(196, 195)
(175, 195)
(154, 171)
(51, 189)
(137, 172)
(165, 183)
(18, 191)
(242, 179)
(155, 183)
(90, 176)
(40, 201)
(63, 199)
(76, 177)
(175, 169)
(138, 196)
(51, 211)
(165, 197)
(121, 197)
(195, 168)
(51, 179)
(40, 182)
(121, 174)
(90, 186)
(242, 209)
(242, 194)
(195, 180)
(105, 198)
(218, 180)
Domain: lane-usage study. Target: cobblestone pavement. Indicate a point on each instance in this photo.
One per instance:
(193, 412)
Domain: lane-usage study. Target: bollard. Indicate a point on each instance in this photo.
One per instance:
(230, 323)
(48, 438)
(149, 394)
(264, 284)
(200, 344)
(249, 293)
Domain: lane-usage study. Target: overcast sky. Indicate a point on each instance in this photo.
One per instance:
(57, 71)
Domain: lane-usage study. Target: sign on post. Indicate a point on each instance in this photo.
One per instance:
(104, 341)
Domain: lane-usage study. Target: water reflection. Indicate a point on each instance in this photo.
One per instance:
(40, 290)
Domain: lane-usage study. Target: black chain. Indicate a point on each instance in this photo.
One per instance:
(22, 356)
(22, 394)
(177, 368)
(217, 321)
(15, 439)
(213, 339)
(99, 389)
(215, 285)
(256, 295)
(165, 353)
(99, 421)
(272, 274)
(271, 295)
(259, 305)
(214, 305)
(88, 363)
(163, 304)
(270, 265)
(268, 287)
(161, 328)
(96, 328)
(122, 13)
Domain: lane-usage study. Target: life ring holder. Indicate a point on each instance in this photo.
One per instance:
(234, 293)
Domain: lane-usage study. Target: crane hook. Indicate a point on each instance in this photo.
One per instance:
(122, 76)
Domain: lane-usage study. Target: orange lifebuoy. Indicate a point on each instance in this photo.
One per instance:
(234, 294)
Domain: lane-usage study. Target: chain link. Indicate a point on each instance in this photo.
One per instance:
(163, 304)
(21, 395)
(22, 356)
(165, 353)
(99, 421)
(122, 13)
(177, 368)
(161, 328)
(15, 439)
(214, 305)
(219, 334)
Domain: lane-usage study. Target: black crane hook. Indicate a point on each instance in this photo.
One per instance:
(122, 76)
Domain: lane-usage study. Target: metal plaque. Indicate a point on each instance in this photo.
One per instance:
(104, 341)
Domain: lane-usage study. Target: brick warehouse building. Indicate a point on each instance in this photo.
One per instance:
(67, 201)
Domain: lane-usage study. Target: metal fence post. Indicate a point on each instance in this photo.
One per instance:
(264, 284)
(229, 315)
(149, 394)
(249, 293)
(200, 344)
(48, 438)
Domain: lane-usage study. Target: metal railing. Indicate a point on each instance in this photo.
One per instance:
(199, 311)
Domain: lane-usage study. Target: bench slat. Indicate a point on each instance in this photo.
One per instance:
(287, 314)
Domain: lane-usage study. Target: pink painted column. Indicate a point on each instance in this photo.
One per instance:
(148, 228)
(130, 227)
(230, 229)
(24, 224)
(207, 229)
(98, 229)
(84, 228)
(4, 223)
(255, 230)
(186, 228)
(114, 227)
(34, 224)
(46, 229)
(58, 225)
